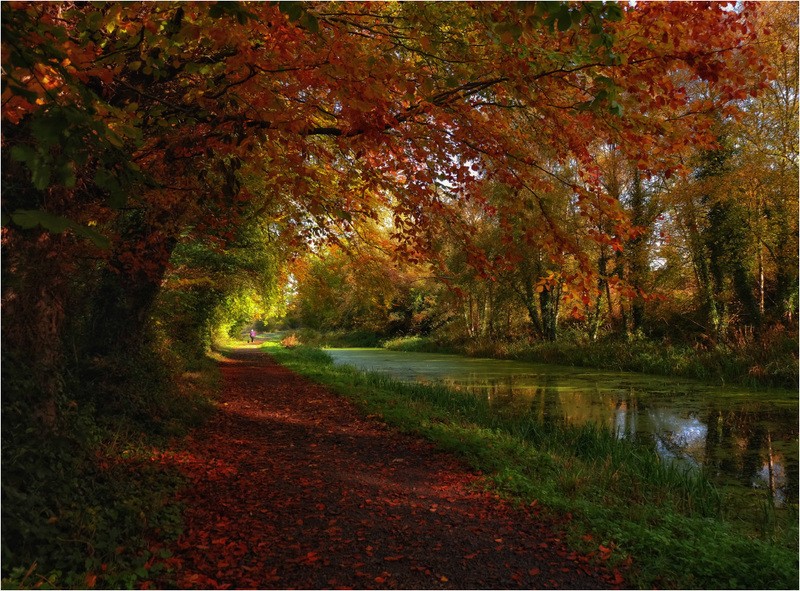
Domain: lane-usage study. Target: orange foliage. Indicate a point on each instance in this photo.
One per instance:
(344, 108)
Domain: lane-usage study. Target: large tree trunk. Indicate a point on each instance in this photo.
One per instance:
(119, 317)
(703, 273)
(35, 290)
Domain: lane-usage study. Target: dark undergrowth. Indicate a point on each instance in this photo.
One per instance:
(82, 501)
(670, 525)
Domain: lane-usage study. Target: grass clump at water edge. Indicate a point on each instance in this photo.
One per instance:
(668, 520)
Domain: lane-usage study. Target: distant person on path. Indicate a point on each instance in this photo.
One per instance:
(252, 335)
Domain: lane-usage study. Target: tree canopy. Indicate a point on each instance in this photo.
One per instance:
(496, 172)
(132, 128)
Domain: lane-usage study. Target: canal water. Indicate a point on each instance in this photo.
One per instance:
(747, 440)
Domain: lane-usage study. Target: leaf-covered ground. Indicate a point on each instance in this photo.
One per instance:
(291, 487)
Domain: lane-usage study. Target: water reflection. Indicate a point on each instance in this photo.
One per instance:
(679, 438)
(746, 440)
(735, 445)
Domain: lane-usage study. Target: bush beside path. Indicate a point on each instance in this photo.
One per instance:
(292, 487)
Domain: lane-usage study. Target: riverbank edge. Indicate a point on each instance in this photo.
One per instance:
(713, 365)
(663, 522)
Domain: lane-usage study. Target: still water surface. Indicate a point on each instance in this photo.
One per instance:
(747, 439)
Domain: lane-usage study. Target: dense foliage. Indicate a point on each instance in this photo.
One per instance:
(700, 280)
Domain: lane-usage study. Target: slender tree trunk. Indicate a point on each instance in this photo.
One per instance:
(488, 311)
(525, 289)
(621, 271)
(602, 285)
(760, 279)
(636, 250)
(469, 314)
(550, 301)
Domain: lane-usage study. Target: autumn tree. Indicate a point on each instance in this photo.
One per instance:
(128, 125)
(142, 140)
(359, 284)
(767, 169)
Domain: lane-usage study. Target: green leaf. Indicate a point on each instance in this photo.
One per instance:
(93, 236)
(27, 219)
(113, 138)
(40, 174)
(66, 175)
(93, 20)
(564, 19)
(614, 12)
(311, 22)
(294, 10)
(23, 153)
(109, 182)
(30, 218)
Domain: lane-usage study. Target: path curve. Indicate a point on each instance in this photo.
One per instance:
(292, 487)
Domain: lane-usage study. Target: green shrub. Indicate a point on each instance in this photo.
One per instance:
(415, 344)
(81, 500)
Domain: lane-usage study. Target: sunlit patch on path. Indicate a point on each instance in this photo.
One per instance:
(292, 488)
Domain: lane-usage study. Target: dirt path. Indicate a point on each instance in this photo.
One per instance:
(293, 488)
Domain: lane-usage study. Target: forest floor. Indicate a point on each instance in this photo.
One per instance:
(292, 487)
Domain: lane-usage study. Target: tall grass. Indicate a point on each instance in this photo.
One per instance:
(667, 519)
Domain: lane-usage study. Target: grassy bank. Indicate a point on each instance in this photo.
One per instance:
(669, 522)
(751, 365)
